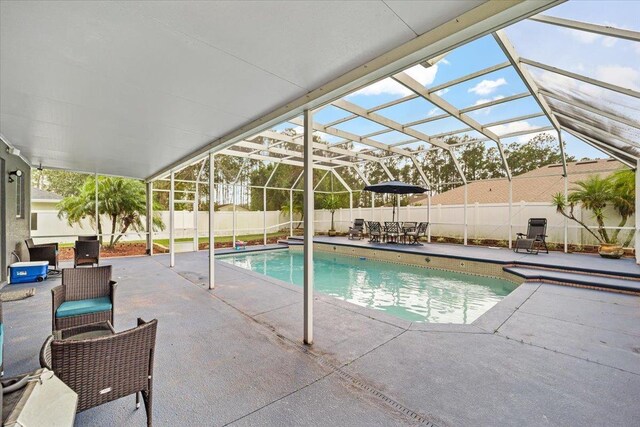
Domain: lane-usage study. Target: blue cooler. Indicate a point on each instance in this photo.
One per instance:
(25, 272)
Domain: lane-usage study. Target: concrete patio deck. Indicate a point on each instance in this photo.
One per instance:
(546, 354)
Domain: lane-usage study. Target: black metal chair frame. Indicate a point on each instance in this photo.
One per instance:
(375, 231)
(393, 232)
(534, 238)
(421, 230)
(357, 229)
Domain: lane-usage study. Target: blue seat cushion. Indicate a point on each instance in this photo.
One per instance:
(84, 306)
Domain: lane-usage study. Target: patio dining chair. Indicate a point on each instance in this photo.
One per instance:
(357, 229)
(86, 295)
(104, 368)
(393, 231)
(417, 232)
(86, 252)
(535, 237)
(43, 252)
(407, 227)
(376, 234)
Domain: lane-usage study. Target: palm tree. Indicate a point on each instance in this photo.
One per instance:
(593, 194)
(332, 204)
(298, 208)
(122, 200)
(624, 200)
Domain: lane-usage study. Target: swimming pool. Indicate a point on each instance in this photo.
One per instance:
(411, 293)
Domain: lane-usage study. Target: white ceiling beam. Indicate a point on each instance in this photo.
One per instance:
(361, 174)
(580, 77)
(235, 153)
(495, 102)
(603, 30)
(468, 77)
(381, 120)
(341, 180)
(286, 152)
(528, 80)
(415, 86)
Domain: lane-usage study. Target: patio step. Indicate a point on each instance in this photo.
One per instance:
(619, 283)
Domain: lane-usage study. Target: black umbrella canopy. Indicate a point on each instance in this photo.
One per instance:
(395, 187)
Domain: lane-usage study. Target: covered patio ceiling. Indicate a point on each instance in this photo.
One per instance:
(134, 88)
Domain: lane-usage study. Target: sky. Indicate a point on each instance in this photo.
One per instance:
(604, 58)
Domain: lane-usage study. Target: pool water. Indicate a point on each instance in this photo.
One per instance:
(411, 293)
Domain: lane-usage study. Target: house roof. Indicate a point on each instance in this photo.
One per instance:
(38, 194)
(537, 185)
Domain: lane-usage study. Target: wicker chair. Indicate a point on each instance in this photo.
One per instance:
(105, 368)
(86, 252)
(88, 295)
(357, 229)
(44, 252)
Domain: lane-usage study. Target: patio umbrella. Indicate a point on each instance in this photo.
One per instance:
(395, 187)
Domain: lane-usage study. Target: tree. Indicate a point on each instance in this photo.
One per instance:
(122, 200)
(595, 194)
(541, 150)
(331, 203)
(63, 183)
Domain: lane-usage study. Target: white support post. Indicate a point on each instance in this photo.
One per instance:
(510, 213)
(172, 222)
(290, 212)
(264, 214)
(429, 216)
(466, 222)
(97, 210)
(637, 243)
(308, 227)
(566, 220)
(398, 208)
(150, 218)
(351, 206)
(211, 224)
(233, 199)
(196, 231)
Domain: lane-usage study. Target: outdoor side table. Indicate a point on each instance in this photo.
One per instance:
(84, 332)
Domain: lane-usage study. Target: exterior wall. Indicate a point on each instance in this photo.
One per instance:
(16, 230)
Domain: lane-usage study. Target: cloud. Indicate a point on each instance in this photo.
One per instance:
(442, 91)
(486, 110)
(485, 87)
(626, 77)
(433, 111)
(425, 76)
(511, 127)
(386, 86)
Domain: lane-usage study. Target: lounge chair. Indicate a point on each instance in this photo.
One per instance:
(535, 237)
(101, 365)
(43, 252)
(415, 234)
(357, 229)
(86, 252)
(86, 295)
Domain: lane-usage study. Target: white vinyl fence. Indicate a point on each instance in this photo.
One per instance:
(484, 221)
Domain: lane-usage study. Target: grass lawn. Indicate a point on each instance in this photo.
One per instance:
(222, 239)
